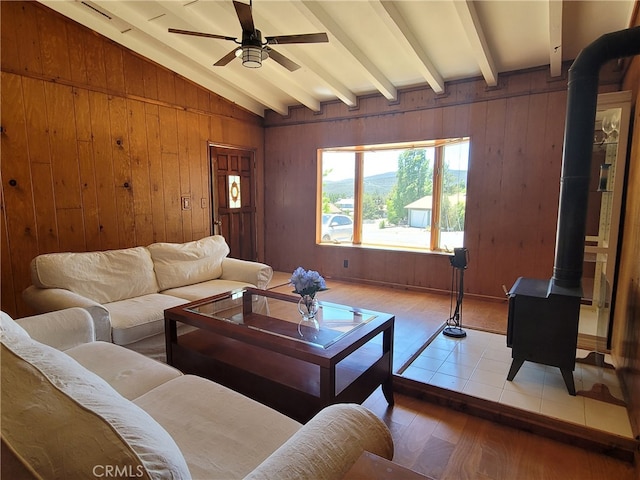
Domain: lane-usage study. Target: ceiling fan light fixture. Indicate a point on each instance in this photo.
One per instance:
(252, 56)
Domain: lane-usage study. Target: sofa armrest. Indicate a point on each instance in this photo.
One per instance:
(61, 329)
(255, 273)
(327, 446)
(44, 300)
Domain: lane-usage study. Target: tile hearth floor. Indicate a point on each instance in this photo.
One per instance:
(478, 364)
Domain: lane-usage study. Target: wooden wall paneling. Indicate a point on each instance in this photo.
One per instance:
(71, 230)
(150, 80)
(190, 95)
(550, 169)
(166, 85)
(62, 140)
(203, 99)
(170, 173)
(114, 66)
(38, 127)
(44, 204)
(77, 41)
(16, 182)
(105, 182)
(206, 179)
(473, 226)
(432, 123)
(29, 50)
(90, 213)
(449, 127)
(119, 133)
(55, 51)
(180, 90)
(140, 179)
(488, 255)
(96, 68)
(64, 166)
(196, 147)
(9, 57)
(11, 14)
(184, 161)
(133, 74)
(8, 292)
(89, 199)
(512, 217)
(532, 180)
(154, 147)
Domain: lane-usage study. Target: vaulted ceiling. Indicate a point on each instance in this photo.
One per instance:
(374, 46)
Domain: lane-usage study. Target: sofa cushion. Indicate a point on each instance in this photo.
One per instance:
(63, 421)
(225, 441)
(104, 277)
(178, 264)
(137, 318)
(128, 372)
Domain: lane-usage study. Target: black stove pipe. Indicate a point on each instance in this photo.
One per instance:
(578, 143)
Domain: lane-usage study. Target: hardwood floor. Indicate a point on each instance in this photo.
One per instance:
(444, 443)
(449, 445)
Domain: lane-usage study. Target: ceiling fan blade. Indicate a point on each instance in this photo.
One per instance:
(284, 61)
(244, 15)
(226, 59)
(200, 34)
(302, 38)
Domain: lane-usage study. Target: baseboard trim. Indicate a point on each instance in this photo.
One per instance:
(606, 443)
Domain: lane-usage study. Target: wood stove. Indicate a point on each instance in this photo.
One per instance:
(543, 326)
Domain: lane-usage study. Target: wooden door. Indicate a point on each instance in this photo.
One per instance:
(234, 209)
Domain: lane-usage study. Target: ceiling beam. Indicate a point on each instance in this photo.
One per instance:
(397, 25)
(315, 13)
(555, 37)
(307, 61)
(278, 75)
(473, 29)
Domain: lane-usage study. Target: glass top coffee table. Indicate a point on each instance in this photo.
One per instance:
(250, 340)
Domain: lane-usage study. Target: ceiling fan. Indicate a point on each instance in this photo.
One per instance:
(252, 48)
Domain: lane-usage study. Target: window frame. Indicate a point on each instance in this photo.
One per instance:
(358, 190)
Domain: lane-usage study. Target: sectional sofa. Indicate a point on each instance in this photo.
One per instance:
(74, 407)
(127, 290)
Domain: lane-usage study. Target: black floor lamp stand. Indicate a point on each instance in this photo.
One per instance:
(454, 322)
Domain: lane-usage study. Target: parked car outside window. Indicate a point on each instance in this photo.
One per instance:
(336, 228)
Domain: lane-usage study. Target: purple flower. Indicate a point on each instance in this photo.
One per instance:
(307, 282)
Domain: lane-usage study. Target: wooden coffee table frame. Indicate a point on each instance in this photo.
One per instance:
(293, 377)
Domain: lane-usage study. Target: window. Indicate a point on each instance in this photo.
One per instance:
(395, 196)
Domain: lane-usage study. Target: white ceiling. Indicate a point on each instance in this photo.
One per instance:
(374, 46)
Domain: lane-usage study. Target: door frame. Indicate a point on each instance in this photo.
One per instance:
(214, 227)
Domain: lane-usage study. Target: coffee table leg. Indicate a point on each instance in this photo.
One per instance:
(327, 386)
(387, 348)
(387, 391)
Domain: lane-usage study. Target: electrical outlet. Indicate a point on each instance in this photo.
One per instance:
(186, 202)
(345, 264)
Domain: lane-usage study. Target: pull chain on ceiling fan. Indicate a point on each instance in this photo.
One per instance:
(252, 48)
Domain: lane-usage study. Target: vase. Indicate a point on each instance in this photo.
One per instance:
(308, 327)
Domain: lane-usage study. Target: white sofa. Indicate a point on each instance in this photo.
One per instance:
(100, 410)
(127, 290)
